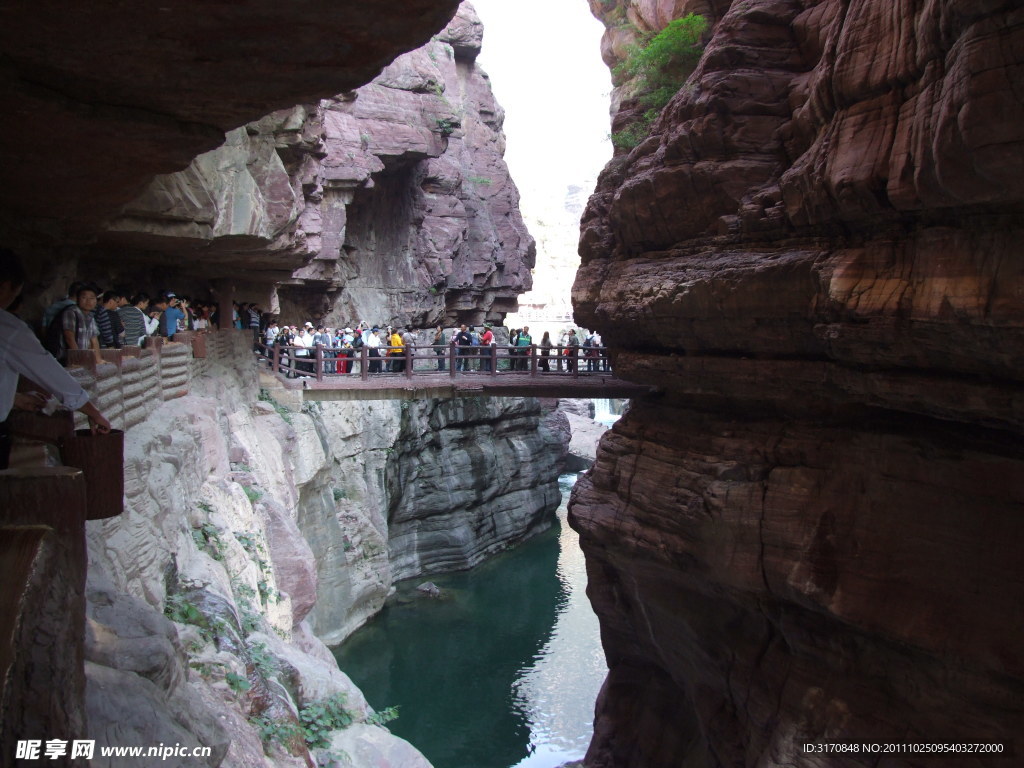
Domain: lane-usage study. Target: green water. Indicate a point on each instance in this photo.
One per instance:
(502, 671)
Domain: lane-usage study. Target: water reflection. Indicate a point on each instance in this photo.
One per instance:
(501, 672)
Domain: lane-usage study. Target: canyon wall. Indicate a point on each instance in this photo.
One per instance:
(253, 532)
(811, 535)
(251, 526)
(103, 96)
(389, 203)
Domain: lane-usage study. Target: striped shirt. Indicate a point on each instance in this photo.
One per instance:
(134, 321)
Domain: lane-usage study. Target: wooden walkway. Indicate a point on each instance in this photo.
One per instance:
(467, 372)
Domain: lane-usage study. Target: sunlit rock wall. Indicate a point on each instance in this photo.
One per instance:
(816, 255)
(394, 199)
(255, 532)
(469, 478)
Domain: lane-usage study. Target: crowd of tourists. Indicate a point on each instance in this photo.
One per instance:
(90, 318)
(339, 350)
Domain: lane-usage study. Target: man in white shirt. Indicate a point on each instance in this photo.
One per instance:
(21, 354)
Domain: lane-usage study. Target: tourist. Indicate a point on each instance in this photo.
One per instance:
(396, 351)
(373, 349)
(440, 347)
(545, 351)
(108, 322)
(134, 319)
(271, 334)
(21, 354)
(591, 353)
(572, 345)
(524, 341)
(464, 340)
(57, 307)
(303, 348)
(486, 344)
(78, 326)
(170, 315)
(602, 353)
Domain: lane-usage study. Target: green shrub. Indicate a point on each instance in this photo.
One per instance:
(237, 683)
(254, 494)
(446, 126)
(263, 660)
(383, 717)
(274, 730)
(321, 717)
(207, 538)
(660, 66)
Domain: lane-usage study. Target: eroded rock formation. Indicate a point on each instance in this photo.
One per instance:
(112, 94)
(390, 203)
(253, 532)
(816, 255)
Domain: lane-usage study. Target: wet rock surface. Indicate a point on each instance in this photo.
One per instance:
(813, 256)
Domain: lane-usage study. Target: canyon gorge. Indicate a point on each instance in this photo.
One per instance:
(810, 535)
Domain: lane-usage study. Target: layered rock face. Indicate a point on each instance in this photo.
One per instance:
(114, 94)
(254, 532)
(390, 203)
(815, 254)
(472, 477)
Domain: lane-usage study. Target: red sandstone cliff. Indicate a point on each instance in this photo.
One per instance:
(390, 203)
(814, 535)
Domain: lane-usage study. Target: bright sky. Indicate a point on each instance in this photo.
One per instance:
(544, 60)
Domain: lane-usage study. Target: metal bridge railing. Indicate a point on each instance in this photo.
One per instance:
(324, 363)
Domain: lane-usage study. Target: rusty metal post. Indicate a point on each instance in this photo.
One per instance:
(319, 357)
(275, 364)
(364, 360)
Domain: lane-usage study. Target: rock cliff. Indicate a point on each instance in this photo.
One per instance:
(102, 96)
(389, 203)
(814, 254)
(253, 532)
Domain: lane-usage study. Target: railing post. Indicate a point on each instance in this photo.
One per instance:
(319, 363)
(408, 361)
(574, 355)
(276, 362)
(364, 362)
(452, 356)
(533, 360)
(493, 352)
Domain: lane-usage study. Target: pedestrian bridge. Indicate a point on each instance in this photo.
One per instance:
(448, 372)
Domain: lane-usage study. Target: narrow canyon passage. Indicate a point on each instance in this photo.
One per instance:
(501, 670)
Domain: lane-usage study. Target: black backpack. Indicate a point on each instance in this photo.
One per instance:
(53, 336)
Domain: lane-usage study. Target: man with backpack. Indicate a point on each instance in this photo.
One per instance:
(76, 326)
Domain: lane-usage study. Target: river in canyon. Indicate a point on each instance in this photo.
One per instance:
(502, 671)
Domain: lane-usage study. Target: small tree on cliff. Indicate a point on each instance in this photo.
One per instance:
(660, 65)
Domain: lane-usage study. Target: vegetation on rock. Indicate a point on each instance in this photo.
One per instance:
(659, 65)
